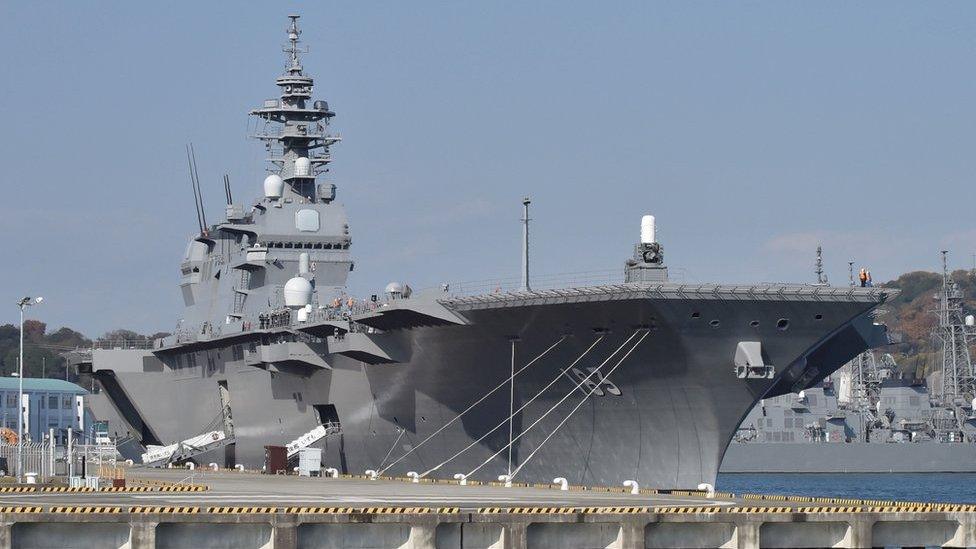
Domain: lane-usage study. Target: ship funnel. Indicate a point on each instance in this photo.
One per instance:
(647, 230)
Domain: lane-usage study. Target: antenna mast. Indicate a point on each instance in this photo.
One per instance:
(821, 277)
(193, 185)
(525, 244)
(957, 368)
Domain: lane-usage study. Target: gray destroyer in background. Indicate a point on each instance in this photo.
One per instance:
(869, 418)
(641, 379)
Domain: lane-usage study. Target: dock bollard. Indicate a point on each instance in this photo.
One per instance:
(414, 477)
(461, 478)
(506, 479)
(332, 472)
(214, 466)
(239, 467)
(708, 489)
(371, 474)
(634, 487)
(562, 482)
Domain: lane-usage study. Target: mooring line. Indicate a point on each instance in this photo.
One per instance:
(469, 408)
(554, 406)
(524, 406)
(573, 411)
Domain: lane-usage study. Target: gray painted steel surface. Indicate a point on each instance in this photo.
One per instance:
(396, 370)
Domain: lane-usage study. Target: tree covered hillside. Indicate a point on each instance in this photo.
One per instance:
(912, 315)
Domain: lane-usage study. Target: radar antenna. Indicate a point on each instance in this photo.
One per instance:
(958, 381)
(292, 49)
(821, 277)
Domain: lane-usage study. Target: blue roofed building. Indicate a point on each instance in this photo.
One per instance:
(50, 404)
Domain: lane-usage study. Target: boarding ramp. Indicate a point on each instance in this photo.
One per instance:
(185, 449)
(326, 429)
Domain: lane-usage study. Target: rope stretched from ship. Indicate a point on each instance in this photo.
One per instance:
(563, 399)
(573, 411)
(477, 402)
(524, 406)
(392, 446)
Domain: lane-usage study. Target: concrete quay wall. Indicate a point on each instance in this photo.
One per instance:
(268, 528)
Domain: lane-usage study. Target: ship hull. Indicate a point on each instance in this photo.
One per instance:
(663, 415)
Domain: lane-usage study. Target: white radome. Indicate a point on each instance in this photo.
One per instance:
(298, 292)
(648, 230)
(303, 166)
(274, 186)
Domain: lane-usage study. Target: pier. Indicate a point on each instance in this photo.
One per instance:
(248, 510)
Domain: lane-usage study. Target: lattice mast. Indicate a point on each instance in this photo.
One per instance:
(957, 367)
(296, 128)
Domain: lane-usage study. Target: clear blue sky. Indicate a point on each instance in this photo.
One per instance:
(752, 131)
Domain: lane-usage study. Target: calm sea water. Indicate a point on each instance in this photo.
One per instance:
(933, 487)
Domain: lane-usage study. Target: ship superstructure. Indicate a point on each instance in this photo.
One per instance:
(640, 379)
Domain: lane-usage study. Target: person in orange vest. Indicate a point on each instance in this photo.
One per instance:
(863, 277)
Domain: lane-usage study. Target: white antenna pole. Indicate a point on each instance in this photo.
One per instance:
(525, 244)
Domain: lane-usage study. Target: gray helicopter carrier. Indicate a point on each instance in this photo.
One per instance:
(869, 417)
(641, 379)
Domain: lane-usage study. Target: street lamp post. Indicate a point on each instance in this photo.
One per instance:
(23, 304)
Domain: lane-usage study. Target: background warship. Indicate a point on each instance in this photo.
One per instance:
(638, 379)
(868, 417)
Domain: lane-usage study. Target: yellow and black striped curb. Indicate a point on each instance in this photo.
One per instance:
(562, 510)
(369, 510)
(187, 488)
(527, 510)
(124, 489)
(164, 509)
(85, 509)
(241, 510)
(764, 509)
(686, 510)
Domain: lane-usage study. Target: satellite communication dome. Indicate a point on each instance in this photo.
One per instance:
(298, 292)
(303, 167)
(394, 288)
(273, 186)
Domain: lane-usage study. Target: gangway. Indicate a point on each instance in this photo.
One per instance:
(318, 433)
(217, 434)
(185, 449)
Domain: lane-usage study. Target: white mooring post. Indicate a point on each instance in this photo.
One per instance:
(50, 456)
(71, 463)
